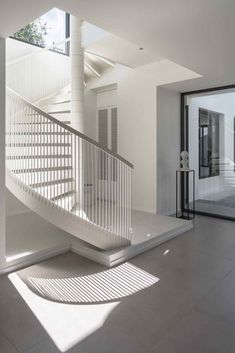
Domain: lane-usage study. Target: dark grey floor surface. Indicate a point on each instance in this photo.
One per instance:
(190, 309)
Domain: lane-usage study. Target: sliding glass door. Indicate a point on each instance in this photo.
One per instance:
(208, 129)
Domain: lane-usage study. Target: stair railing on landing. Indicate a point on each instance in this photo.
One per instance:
(44, 72)
(66, 169)
(39, 74)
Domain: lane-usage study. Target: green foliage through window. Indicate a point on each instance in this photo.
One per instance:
(33, 33)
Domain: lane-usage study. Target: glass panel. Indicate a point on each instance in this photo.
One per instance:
(208, 144)
(211, 151)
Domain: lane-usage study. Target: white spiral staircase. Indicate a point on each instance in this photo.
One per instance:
(64, 176)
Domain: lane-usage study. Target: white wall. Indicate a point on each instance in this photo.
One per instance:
(224, 104)
(2, 152)
(13, 205)
(137, 136)
(137, 122)
(168, 148)
(16, 49)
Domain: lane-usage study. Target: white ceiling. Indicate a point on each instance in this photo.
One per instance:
(122, 51)
(196, 34)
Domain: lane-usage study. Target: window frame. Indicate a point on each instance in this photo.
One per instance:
(67, 35)
(209, 127)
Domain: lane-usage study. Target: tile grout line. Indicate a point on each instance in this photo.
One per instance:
(9, 341)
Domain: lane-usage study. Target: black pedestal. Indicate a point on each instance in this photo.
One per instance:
(184, 177)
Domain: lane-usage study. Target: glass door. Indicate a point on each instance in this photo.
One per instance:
(210, 140)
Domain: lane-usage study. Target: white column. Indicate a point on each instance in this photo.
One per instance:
(2, 152)
(77, 74)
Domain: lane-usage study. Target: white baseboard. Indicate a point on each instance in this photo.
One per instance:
(114, 257)
(33, 259)
(107, 258)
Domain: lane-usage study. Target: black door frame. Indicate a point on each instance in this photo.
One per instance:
(184, 143)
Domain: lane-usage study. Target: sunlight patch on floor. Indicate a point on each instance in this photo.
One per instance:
(108, 285)
(68, 324)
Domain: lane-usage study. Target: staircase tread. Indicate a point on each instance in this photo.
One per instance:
(61, 196)
(52, 182)
(38, 144)
(36, 170)
(39, 133)
(43, 156)
(41, 123)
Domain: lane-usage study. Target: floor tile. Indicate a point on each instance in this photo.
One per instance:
(210, 236)
(220, 301)
(190, 271)
(198, 333)
(45, 346)
(68, 264)
(7, 291)
(190, 309)
(6, 346)
(108, 340)
(105, 340)
(147, 324)
(19, 325)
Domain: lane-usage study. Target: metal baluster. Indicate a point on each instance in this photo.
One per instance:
(74, 154)
(43, 158)
(84, 178)
(106, 193)
(26, 127)
(86, 169)
(108, 171)
(53, 137)
(121, 203)
(125, 209)
(99, 184)
(63, 170)
(47, 153)
(96, 183)
(102, 190)
(56, 164)
(23, 163)
(111, 194)
(117, 181)
(92, 183)
(61, 187)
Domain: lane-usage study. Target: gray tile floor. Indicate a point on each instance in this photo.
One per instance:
(190, 309)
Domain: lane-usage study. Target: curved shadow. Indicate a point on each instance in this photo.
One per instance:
(100, 287)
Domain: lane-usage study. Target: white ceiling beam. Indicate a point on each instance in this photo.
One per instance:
(101, 58)
(92, 69)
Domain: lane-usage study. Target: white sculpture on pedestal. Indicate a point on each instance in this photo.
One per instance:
(184, 161)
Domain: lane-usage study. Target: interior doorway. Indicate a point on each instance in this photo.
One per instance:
(107, 117)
